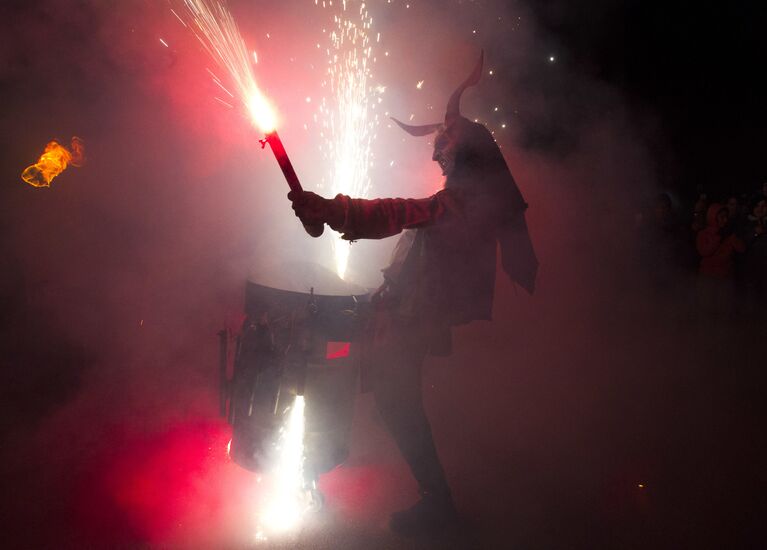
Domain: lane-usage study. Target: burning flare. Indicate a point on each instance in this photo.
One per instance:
(54, 161)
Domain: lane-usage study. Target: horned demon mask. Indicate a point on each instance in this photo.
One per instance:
(458, 139)
(468, 154)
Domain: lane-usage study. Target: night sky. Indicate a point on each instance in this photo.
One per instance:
(694, 66)
(590, 415)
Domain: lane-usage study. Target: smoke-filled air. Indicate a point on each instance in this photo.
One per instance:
(245, 307)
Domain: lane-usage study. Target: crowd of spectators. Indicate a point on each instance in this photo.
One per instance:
(713, 255)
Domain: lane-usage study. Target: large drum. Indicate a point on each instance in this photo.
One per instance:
(293, 343)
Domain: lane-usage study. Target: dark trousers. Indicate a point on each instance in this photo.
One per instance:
(397, 361)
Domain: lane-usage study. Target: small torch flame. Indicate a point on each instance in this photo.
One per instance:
(54, 161)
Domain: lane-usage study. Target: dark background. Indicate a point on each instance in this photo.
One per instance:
(694, 65)
(115, 281)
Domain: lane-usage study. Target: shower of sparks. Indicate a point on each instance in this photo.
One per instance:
(215, 28)
(224, 103)
(349, 120)
(285, 500)
(177, 16)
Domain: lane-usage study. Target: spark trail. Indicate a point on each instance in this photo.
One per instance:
(215, 28)
(348, 118)
(287, 500)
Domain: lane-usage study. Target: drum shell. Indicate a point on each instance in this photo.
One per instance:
(288, 343)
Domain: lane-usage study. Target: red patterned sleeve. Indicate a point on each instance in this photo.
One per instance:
(381, 218)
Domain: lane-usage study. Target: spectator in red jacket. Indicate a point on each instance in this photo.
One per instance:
(718, 243)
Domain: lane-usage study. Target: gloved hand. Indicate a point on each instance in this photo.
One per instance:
(313, 209)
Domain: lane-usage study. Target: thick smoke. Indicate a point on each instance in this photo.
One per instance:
(117, 278)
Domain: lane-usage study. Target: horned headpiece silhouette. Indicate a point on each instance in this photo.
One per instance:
(453, 111)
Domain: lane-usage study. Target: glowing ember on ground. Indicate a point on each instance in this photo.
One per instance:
(54, 161)
(348, 118)
(285, 501)
(217, 31)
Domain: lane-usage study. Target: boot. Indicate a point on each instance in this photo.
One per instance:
(432, 514)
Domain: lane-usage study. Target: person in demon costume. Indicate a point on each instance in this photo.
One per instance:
(442, 275)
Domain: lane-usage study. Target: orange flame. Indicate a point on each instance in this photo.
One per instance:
(54, 161)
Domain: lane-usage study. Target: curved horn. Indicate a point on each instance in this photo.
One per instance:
(454, 105)
(422, 130)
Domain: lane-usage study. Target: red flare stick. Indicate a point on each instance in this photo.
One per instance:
(273, 139)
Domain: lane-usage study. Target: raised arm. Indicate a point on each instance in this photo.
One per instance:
(376, 218)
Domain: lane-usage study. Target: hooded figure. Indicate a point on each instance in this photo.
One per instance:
(442, 274)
